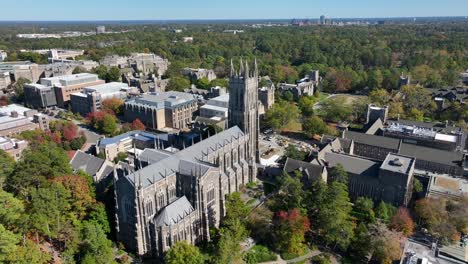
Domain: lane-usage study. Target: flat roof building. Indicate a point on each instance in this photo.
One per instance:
(15, 119)
(64, 86)
(216, 107)
(13, 147)
(39, 96)
(159, 110)
(90, 98)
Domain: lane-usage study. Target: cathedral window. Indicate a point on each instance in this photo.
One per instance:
(149, 207)
(172, 193)
(210, 196)
(126, 208)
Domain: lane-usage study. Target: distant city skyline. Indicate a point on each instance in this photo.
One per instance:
(58, 10)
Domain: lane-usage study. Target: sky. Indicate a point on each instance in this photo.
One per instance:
(51, 10)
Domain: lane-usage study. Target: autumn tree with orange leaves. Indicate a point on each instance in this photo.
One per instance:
(113, 106)
(402, 222)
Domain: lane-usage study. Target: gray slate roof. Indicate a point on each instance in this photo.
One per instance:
(313, 170)
(88, 163)
(452, 158)
(136, 134)
(192, 159)
(379, 141)
(353, 164)
(174, 212)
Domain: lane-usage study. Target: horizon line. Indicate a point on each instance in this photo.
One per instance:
(225, 19)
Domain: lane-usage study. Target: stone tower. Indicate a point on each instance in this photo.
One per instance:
(243, 107)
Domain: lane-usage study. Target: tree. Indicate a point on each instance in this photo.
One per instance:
(437, 218)
(203, 83)
(315, 126)
(332, 216)
(49, 210)
(417, 186)
(101, 71)
(8, 241)
(360, 246)
(363, 210)
(375, 79)
(102, 122)
(39, 163)
(18, 87)
(4, 100)
(11, 211)
(335, 109)
(379, 97)
(78, 70)
(29, 253)
(98, 215)
(384, 212)
(70, 131)
(7, 164)
(281, 115)
(337, 81)
(138, 125)
(113, 75)
(221, 83)
(236, 208)
(228, 247)
(402, 222)
(183, 253)
(338, 174)
(82, 198)
(96, 248)
(178, 84)
(386, 244)
(290, 194)
(306, 105)
(289, 229)
(113, 106)
(293, 152)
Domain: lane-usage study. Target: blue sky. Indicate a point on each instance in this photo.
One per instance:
(221, 9)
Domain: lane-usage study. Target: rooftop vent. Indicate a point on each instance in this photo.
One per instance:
(14, 114)
(396, 162)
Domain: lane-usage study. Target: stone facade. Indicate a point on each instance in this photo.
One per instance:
(179, 196)
(161, 110)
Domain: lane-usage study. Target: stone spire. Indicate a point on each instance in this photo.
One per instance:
(256, 68)
(247, 71)
(232, 69)
(241, 68)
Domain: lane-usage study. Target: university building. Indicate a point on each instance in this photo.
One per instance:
(174, 196)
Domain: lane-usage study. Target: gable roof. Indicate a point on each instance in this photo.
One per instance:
(174, 212)
(373, 140)
(452, 158)
(313, 171)
(192, 158)
(353, 164)
(88, 163)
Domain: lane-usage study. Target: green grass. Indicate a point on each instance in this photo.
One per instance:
(259, 253)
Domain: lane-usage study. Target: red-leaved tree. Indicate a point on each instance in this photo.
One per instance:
(138, 125)
(290, 228)
(70, 131)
